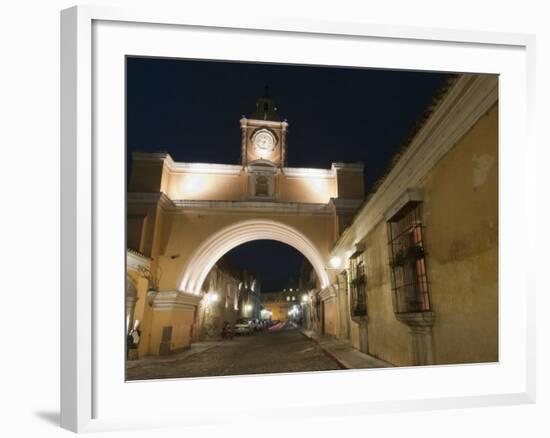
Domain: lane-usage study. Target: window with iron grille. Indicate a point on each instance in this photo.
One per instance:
(358, 286)
(408, 260)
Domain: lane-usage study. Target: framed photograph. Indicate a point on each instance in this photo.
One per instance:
(322, 216)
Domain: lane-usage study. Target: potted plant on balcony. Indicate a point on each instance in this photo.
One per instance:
(414, 252)
(398, 259)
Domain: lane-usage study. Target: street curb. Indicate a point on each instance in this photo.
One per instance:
(328, 353)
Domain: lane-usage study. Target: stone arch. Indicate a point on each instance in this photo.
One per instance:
(223, 241)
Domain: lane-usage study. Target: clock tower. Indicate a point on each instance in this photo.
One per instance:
(264, 135)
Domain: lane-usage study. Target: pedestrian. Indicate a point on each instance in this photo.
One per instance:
(129, 344)
(136, 337)
(132, 342)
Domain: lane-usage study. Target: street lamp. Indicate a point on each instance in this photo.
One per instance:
(335, 262)
(211, 297)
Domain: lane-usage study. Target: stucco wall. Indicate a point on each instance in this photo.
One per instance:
(157, 173)
(350, 184)
(460, 213)
(205, 186)
(181, 321)
(388, 339)
(306, 189)
(331, 317)
(461, 217)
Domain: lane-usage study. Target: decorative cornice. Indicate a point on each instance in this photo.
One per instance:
(304, 172)
(409, 195)
(153, 157)
(327, 293)
(181, 167)
(236, 169)
(184, 206)
(470, 97)
(271, 123)
(262, 166)
(350, 167)
(175, 300)
(135, 260)
(322, 173)
(346, 205)
(206, 168)
(150, 198)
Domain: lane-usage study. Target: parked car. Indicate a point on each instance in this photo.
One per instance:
(244, 326)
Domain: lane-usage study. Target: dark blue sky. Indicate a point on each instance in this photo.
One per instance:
(191, 109)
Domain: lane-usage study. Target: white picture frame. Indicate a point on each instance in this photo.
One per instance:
(92, 396)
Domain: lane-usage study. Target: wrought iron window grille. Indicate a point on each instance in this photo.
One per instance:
(408, 261)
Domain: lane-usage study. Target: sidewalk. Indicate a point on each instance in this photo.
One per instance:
(343, 352)
(195, 348)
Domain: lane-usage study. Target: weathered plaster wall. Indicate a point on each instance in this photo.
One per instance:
(460, 213)
(306, 189)
(461, 217)
(227, 307)
(205, 186)
(388, 339)
(181, 321)
(331, 317)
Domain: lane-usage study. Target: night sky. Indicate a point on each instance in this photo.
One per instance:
(191, 109)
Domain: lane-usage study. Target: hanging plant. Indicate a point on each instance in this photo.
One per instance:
(415, 252)
(153, 288)
(358, 280)
(398, 259)
(153, 280)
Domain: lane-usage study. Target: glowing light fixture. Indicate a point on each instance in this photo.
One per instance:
(335, 262)
(211, 297)
(194, 184)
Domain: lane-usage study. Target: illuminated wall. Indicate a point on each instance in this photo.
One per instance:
(219, 182)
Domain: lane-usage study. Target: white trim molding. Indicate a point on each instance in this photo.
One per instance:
(253, 206)
(306, 172)
(409, 195)
(183, 167)
(175, 300)
(205, 256)
(328, 292)
(135, 260)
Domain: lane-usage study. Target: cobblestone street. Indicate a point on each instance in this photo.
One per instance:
(278, 351)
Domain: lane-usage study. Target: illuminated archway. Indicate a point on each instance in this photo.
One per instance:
(223, 241)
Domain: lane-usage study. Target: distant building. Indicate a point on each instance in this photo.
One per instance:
(229, 294)
(281, 303)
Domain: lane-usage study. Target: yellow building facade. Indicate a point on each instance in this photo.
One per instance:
(420, 260)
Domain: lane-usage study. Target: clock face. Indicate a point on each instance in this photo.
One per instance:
(264, 141)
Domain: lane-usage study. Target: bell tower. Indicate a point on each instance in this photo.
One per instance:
(264, 134)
